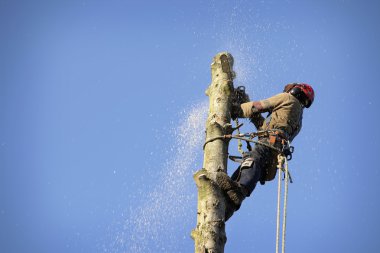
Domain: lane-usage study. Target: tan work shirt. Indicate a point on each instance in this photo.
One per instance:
(285, 113)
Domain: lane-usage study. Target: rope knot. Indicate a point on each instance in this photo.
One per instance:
(281, 161)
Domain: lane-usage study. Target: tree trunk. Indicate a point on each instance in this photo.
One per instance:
(209, 235)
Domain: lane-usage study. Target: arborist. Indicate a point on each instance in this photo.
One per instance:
(277, 130)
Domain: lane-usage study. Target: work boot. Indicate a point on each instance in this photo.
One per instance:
(230, 209)
(235, 193)
(225, 182)
(237, 197)
(234, 198)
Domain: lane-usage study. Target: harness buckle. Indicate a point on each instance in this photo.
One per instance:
(287, 150)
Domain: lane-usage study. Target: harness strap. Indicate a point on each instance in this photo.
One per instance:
(241, 137)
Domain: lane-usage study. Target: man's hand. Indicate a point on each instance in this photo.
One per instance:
(246, 109)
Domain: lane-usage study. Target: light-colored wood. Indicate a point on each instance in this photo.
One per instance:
(209, 235)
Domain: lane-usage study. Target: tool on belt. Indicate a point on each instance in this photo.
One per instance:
(280, 139)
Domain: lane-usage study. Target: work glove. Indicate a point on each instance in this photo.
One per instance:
(246, 109)
(257, 119)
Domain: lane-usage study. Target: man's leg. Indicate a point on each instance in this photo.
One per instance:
(243, 181)
(251, 172)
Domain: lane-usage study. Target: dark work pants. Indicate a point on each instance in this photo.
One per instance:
(249, 176)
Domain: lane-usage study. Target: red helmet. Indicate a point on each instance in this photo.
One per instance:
(302, 91)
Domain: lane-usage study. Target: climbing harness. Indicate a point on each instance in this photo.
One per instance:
(285, 149)
(248, 137)
(283, 166)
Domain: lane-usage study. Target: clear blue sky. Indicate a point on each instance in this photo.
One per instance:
(102, 110)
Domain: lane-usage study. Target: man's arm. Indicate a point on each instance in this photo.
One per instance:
(266, 105)
(254, 109)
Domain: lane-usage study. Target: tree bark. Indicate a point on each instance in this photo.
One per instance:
(209, 235)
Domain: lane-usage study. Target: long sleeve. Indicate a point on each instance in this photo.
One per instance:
(266, 105)
(249, 110)
(254, 109)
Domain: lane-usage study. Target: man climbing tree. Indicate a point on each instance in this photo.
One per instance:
(281, 126)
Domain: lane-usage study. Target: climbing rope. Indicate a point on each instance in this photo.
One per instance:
(279, 166)
(282, 166)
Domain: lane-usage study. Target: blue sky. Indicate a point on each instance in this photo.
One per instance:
(102, 110)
